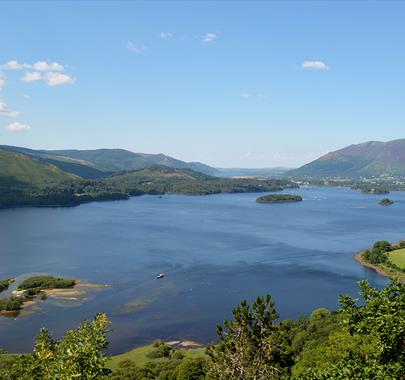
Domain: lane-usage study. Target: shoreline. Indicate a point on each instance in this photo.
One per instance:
(382, 270)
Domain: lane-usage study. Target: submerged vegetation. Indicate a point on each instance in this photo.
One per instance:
(279, 198)
(359, 341)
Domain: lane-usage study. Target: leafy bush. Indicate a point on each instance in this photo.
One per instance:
(10, 303)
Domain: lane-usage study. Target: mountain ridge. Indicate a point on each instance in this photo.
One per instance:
(368, 159)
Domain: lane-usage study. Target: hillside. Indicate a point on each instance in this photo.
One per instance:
(369, 159)
(98, 163)
(20, 170)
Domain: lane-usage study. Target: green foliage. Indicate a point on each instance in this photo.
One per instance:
(372, 343)
(10, 303)
(378, 254)
(77, 356)
(161, 351)
(4, 284)
(45, 282)
(252, 345)
(190, 369)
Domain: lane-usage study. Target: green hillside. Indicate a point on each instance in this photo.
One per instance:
(370, 159)
(95, 163)
(19, 170)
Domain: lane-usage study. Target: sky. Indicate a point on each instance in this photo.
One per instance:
(230, 84)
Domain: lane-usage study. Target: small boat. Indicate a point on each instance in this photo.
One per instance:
(159, 276)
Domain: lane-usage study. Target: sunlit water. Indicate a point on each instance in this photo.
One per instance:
(214, 251)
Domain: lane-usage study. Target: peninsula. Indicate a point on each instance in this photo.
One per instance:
(385, 258)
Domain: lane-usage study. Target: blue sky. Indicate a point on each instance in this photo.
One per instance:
(247, 84)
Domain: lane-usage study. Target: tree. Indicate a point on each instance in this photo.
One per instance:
(77, 356)
(251, 345)
(373, 343)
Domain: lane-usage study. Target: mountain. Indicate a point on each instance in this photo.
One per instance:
(20, 170)
(369, 159)
(101, 162)
(247, 172)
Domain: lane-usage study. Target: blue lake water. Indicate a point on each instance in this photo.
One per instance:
(215, 250)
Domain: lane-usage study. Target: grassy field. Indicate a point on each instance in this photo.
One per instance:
(139, 356)
(398, 257)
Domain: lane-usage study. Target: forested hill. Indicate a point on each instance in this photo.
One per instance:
(101, 162)
(370, 159)
(20, 170)
(29, 181)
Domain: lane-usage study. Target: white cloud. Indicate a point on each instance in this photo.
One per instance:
(45, 66)
(165, 35)
(14, 65)
(250, 95)
(49, 72)
(209, 37)
(18, 127)
(135, 49)
(31, 76)
(5, 111)
(319, 65)
(56, 79)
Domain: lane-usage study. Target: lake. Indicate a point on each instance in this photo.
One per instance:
(214, 250)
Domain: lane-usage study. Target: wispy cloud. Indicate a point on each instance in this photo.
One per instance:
(209, 37)
(318, 65)
(14, 65)
(31, 76)
(135, 49)
(5, 111)
(54, 78)
(166, 35)
(252, 95)
(18, 127)
(45, 66)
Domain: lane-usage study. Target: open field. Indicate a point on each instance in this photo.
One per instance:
(139, 356)
(398, 257)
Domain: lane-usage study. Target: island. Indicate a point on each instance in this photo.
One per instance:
(39, 288)
(385, 258)
(386, 202)
(30, 288)
(278, 198)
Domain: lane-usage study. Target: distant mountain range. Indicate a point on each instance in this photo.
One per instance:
(369, 159)
(99, 163)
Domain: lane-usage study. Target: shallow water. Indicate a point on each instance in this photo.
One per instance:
(214, 250)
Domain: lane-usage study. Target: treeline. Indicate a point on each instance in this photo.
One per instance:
(362, 340)
(155, 181)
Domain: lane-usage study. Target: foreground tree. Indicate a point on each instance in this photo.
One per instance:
(252, 345)
(373, 346)
(77, 356)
